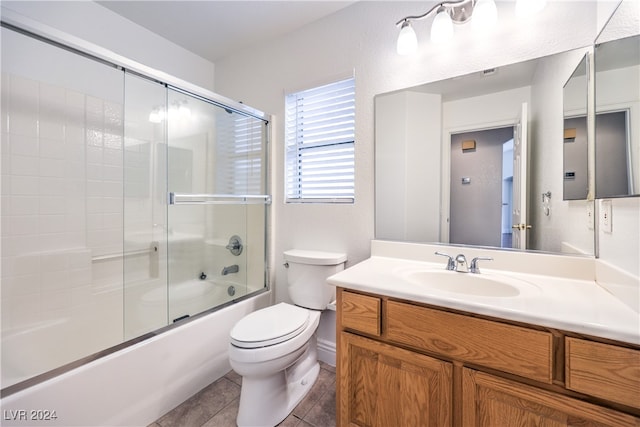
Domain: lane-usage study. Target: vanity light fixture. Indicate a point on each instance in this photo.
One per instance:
(407, 40)
(157, 115)
(177, 110)
(447, 13)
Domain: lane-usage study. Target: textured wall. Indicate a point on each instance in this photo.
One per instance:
(361, 39)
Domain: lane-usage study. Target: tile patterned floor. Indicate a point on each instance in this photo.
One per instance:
(217, 405)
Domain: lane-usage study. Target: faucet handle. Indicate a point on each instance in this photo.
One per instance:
(474, 263)
(451, 264)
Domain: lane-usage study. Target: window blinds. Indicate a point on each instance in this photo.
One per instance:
(239, 155)
(320, 135)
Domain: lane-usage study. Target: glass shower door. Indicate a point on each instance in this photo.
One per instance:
(216, 215)
(145, 178)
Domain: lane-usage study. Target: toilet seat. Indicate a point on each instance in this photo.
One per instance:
(270, 326)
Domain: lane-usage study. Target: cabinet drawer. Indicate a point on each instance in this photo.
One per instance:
(603, 370)
(360, 313)
(514, 349)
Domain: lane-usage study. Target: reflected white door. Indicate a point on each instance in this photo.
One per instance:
(520, 160)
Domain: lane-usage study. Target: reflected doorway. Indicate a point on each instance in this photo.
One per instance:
(481, 191)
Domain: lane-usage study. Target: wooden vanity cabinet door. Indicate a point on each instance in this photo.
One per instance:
(384, 386)
(490, 401)
(602, 370)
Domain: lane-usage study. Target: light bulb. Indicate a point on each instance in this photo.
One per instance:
(157, 115)
(442, 27)
(526, 8)
(485, 14)
(184, 111)
(407, 40)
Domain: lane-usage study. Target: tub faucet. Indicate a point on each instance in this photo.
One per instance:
(230, 269)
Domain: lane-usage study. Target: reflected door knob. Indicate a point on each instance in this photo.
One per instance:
(521, 227)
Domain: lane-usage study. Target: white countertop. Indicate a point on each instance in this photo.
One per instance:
(574, 305)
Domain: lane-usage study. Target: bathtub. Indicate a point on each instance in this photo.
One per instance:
(63, 335)
(146, 302)
(191, 297)
(33, 350)
(138, 384)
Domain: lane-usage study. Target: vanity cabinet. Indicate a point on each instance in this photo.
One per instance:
(603, 370)
(402, 363)
(391, 386)
(489, 400)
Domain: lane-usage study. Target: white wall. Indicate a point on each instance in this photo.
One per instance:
(547, 131)
(621, 247)
(362, 38)
(95, 24)
(408, 166)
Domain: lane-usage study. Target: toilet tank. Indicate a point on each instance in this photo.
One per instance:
(307, 274)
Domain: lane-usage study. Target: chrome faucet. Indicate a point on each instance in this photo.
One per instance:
(230, 269)
(474, 263)
(461, 264)
(451, 265)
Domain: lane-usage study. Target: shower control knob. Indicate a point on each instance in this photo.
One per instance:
(235, 245)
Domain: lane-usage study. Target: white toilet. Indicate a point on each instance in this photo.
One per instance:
(274, 349)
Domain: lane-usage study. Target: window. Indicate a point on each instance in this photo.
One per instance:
(319, 135)
(239, 154)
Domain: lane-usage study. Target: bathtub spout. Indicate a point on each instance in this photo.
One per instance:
(230, 269)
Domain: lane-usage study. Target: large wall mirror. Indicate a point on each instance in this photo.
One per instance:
(617, 100)
(452, 163)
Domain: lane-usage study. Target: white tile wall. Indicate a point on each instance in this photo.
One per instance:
(62, 205)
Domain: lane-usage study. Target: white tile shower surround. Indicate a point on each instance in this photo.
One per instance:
(61, 158)
(64, 163)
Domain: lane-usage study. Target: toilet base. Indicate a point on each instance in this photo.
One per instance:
(267, 401)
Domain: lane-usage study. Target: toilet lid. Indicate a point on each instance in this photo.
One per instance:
(269, 326)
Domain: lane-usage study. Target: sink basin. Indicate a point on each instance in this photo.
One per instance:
(486, 285)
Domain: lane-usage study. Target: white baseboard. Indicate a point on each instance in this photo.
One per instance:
(327, 352)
